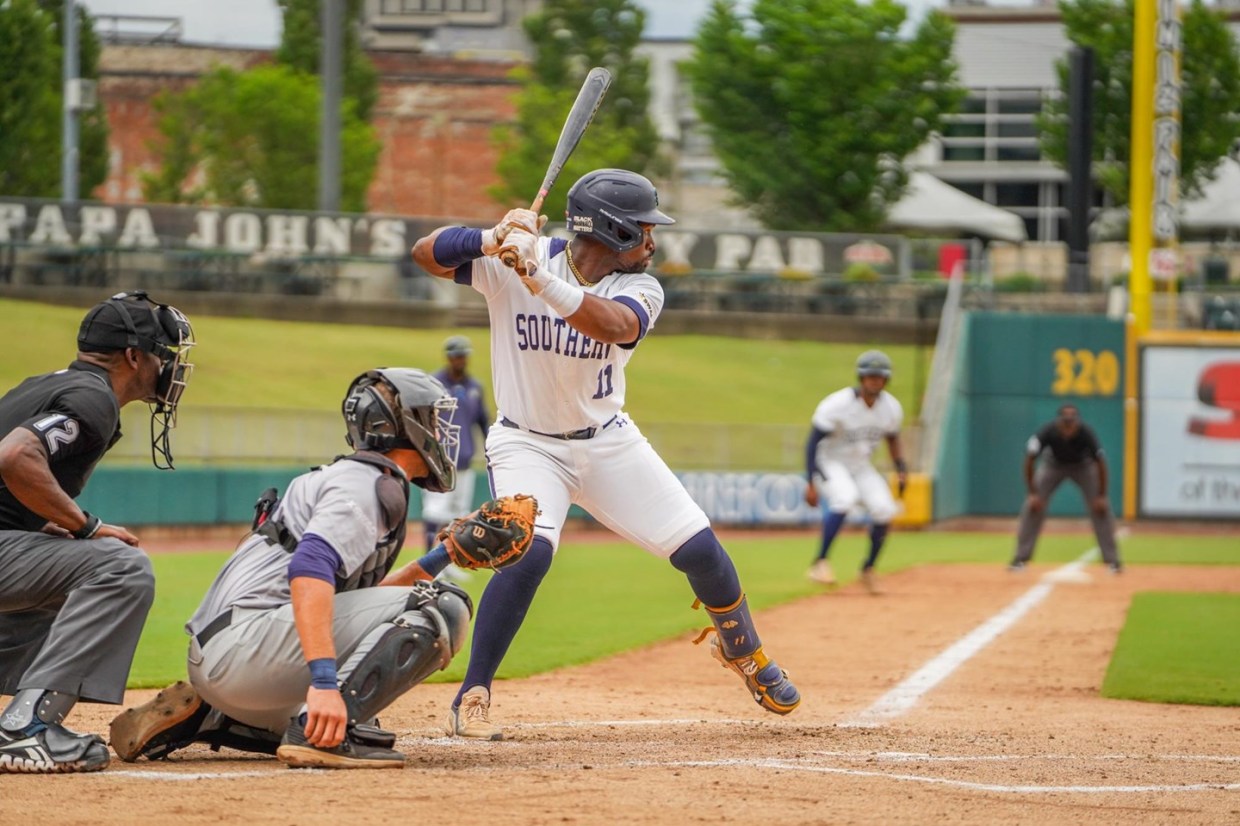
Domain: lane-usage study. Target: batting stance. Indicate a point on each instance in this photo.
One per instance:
(307, 632)
(75, 591)
(844, 430)
(562, 334)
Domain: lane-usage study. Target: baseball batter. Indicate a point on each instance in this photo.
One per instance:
(307, 632)
(561, 335)
(846, 427)
(75, 591)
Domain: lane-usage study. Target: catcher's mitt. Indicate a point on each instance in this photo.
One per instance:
(495, 536)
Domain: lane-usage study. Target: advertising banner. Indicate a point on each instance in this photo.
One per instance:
(1190, 432)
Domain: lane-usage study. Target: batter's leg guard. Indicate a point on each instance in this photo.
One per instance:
(736, 646)
(398, 655)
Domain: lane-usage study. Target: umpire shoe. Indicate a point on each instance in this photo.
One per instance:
(472, 718)
(52, 750)
(160, 726)
(297, 752)
(766, 681)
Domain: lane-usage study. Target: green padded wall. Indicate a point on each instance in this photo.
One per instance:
(1015, 371)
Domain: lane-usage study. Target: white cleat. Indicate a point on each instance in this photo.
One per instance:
(821, 573)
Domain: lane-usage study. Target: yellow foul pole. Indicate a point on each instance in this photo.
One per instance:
(1140, 225)
(1141, 162)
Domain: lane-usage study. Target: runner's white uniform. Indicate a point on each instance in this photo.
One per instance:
(548, 378)
(855, 429)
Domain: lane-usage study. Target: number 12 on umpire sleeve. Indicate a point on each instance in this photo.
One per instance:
(604, 383)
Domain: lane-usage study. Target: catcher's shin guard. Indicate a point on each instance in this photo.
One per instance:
(399, 654)
(737, 647)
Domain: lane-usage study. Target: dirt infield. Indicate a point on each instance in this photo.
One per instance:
(1014, 733)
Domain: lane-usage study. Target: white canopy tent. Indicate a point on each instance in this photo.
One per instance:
(1218, 208)
(930, 205)
(1217, 211)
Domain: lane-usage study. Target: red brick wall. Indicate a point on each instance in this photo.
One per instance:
(434, 118)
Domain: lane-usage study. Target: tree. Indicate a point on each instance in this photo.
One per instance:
(300, 48)
(812, 105)
(570, 37)
(30, 101)
(1209, 94)
(251, 138)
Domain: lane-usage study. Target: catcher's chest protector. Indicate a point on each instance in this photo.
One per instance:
(392, 491)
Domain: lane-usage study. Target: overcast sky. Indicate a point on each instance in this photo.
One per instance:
(257, 22)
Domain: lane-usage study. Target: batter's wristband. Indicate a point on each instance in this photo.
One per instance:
(561, 296)
(323, 673)
(455, 246)
(92, 526)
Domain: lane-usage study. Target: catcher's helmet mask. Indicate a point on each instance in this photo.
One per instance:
(873, 363)
(132, 319)
(612, 205)
(422, 423)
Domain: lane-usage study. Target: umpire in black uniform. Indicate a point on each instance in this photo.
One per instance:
(74, 590)
(1073, 452)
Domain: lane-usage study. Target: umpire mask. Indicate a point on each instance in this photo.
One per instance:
(420, 420)
(132, 319)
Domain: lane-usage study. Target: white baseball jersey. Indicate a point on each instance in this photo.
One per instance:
(550, 379)
(855, 428)
(547, 376)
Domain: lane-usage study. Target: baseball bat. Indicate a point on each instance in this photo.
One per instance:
(588, 99)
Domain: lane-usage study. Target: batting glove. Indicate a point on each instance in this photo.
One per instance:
(493, 240)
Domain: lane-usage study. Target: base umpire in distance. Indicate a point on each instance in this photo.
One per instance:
(1072, 451)
(75, 591)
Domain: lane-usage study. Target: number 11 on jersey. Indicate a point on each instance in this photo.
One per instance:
(604, 383)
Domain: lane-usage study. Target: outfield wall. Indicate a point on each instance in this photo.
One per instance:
(1013, 372)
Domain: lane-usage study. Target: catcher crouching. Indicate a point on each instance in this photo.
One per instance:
(307, 633)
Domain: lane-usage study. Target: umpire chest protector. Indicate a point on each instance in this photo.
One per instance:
(392, 493)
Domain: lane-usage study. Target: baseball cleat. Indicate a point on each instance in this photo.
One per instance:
(472, 718)
(766, 681)
(162, 725)
(821, 573)
(297, 752)
(870, 581)
(53, 750)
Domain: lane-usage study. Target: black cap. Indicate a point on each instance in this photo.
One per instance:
(129, 320)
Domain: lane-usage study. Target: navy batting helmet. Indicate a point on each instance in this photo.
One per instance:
(873, 363)
(421, 420)
(611, 205)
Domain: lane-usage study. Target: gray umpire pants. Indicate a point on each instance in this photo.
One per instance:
(71, 612)
(254, 670)
(1046, 479)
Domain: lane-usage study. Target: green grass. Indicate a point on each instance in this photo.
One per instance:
(281, 364)
(1178, 648)
(607, 597)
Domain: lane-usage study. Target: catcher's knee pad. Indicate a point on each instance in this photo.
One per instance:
(398, 655)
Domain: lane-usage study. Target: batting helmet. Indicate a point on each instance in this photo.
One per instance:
(873, 363)
(422, 420)
(611, 205)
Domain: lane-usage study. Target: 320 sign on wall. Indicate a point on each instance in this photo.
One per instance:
(1085, 373)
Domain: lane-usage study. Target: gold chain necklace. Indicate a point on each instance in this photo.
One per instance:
(568, 252)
